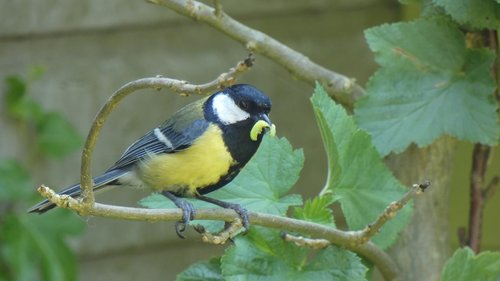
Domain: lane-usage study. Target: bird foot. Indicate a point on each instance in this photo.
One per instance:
(188, 213)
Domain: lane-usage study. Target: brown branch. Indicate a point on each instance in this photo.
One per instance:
(341, 88)
(479, 192)
(480, 158)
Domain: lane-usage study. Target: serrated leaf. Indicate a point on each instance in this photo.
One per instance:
(427, 88)
(465, 266)
(14, 181)
(358, 178)
(316, 210)
(202, 271)
(263, 255)
(476, 13)
(56, 136)
(261, 186)
(265, 181)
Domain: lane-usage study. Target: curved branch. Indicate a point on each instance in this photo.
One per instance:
(343, 89)
(178, 86)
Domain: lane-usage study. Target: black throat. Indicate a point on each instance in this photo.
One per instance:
(238, 142)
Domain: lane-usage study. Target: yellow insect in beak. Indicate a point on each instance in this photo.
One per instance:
(259, 127)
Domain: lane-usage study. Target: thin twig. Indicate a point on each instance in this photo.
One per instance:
(343, 89)
(231, 229)
(391, 210)
(302, 241)
(218, 8)
(490, 189)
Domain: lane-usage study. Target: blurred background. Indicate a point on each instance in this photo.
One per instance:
(88, 49)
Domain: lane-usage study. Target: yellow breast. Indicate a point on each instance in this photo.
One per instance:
(202, 164)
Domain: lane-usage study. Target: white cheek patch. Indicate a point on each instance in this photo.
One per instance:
(227, 111)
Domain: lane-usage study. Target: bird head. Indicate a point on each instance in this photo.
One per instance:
(243, 105)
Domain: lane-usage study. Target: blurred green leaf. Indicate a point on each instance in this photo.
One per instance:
(15, 182)
(428, 85)
(476, 13)
(28, 241)
(357, 177)
(57, 136)
(16, 103)
(32, 247)
(263, 255)
(465, 266)
(16, 90)
(35, 72)
(316, 210)
(261, 186)
(203, 271)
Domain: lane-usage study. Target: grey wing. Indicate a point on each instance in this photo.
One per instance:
(164, 139)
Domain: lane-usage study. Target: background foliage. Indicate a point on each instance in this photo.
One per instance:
(31, 247)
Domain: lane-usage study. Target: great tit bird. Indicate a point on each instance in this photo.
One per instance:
(201, 148)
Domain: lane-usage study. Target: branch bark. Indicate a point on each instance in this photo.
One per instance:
(342, 89)
(480, 158)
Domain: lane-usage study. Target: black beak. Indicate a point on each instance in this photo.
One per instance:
(265, 117)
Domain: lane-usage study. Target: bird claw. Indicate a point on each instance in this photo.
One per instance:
(243, 213)
(188, 213)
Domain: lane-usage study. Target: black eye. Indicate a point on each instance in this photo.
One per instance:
(243, 104)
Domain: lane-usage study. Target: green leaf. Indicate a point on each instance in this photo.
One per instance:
(203, 271)
(35, 72)
(56, 135)
(316, 210)
(29, 242)
(16, 103)
(465, 266)
(427, 88)
(263, 255)
(261, 186)
(357, 178)
(15, 182)
(16, 90)
(476, 13)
